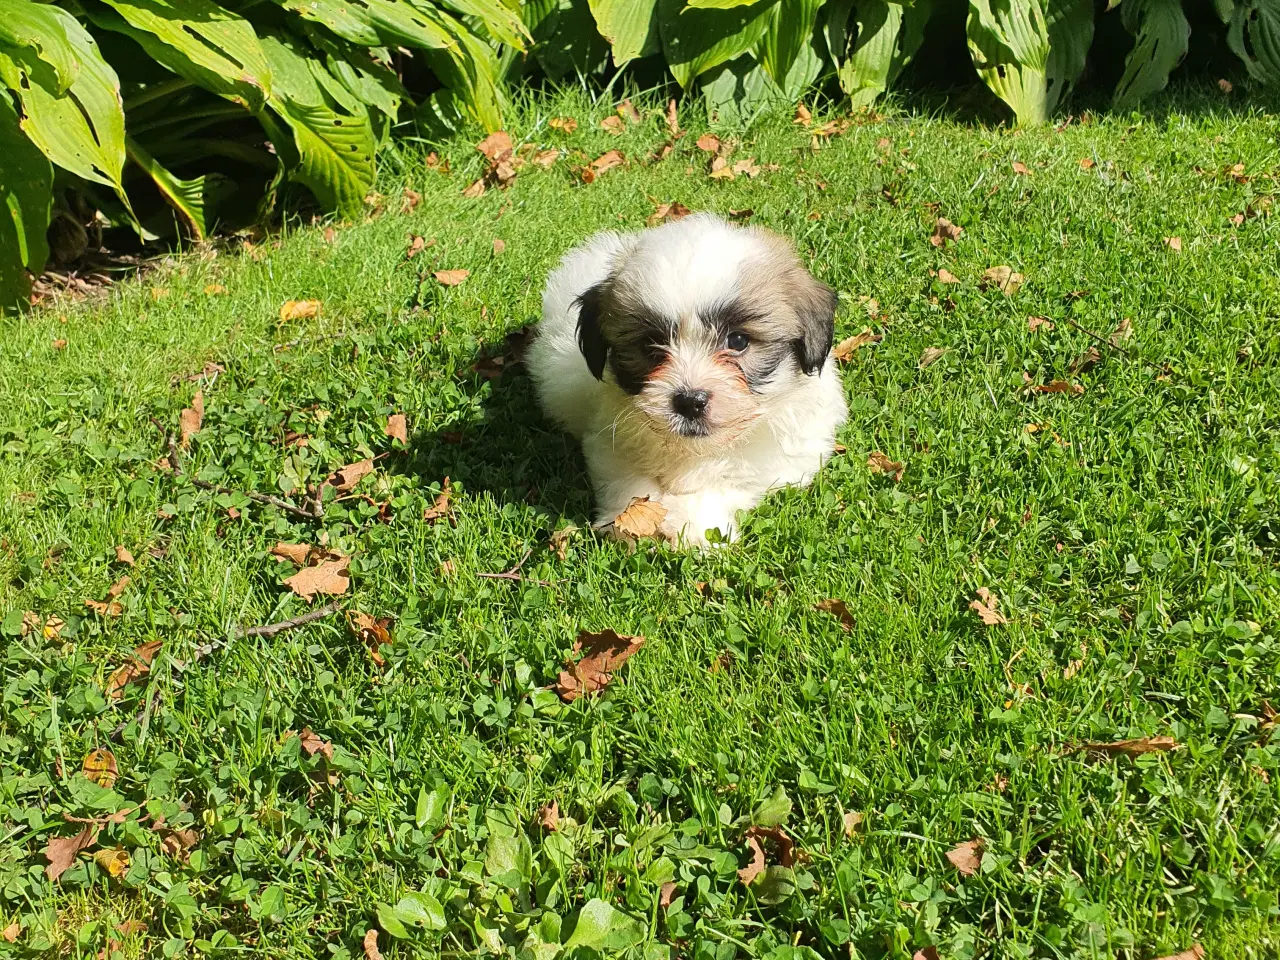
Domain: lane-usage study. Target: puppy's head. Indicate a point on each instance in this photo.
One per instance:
(702, 322)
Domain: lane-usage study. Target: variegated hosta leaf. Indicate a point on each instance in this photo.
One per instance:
(566, 41)
(199, 40)
(82, 130)
(1254, 36)
(1161, 33)
(694, 40)
(790, 31)
(185, 196)
(37, 26)
(720, 4)
(630, 26)
(469, 68)
(501, 23)
(1070, 36)
(26, 199)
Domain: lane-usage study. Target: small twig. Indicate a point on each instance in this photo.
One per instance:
(515, 574)
(1106, 342)
(271, 629)
(175, 462)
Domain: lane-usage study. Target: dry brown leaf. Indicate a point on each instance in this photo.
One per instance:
(372, 632)
(1128, 748)
(549, 816)
(496, 146)
(944, 230)
(563, 124)
(946, 276)
(397, 428)
(346, 478)
(559, 542)
(846, 348)
(967, 857)
(1086, 163)
(192, 418)
(137, 667)
(214, 289)
(451, 278)
(803, 115)
(756, 867)
(328, 576)
(747, 166)
(130, 927)
(297, 552)
(313, 743)
(926, 953)
(118, 587)
(416, 246)
(441, 506)
(100, 766)
(709, 143)
(113, 861)
(53, 628)
(1195, 951)
(10, 933)
(1122, 332)
(1039, 323)
(1020, 168)
(628, 111)
(613, 125)
(601, 164)
(877, 462)
(665, 212)
(103, 608)
(1086, 361)
(931, 355)
(61, 852)
(986, 607)
(147, 652)
(476, 189)
(667, 891)
(720, 169)
(409, 200)
(839, 610)
(1003, 279)
(603, 653)
(59, 344)
(785, 850)
(30, 622)
(642, 518)
(1058, 386)
(744, 214)
(371, 945)
(545, 158)
(330, 234)
(1174, 244)
(499, 246)
(298, 310)
(673, 118)
(851, 822)
(124, 556)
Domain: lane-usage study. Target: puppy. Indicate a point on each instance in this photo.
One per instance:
(694, 362)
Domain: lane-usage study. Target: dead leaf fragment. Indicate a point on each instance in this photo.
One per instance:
(397, 428)
(748, 167)
(851, 822)
(613, 125)
(496, 146)
(673, 120)
(59, 344)
(371, 945)
(441, 507)
(100, 766)
(1174, 244)
(756, 867)
(313, 743)
(926, 953)
(1058, 386)
(113, 861)
(416, 245)
(137, 667)
(1003, 278)
(602, 654)
(1020, 168)
(559, 542)
(192, 418)
(297, 552)
(720, 169)
(499, 246)
(839, 610)
(545, 158)
(476, 189)
(709, 143)
(986, 607)
(667, 892)
(451, 278)
(214, 289)
(967, 857)
(946, 276)
(330, 577)
(877, 462)
(1128, 748)
(628, 111)
(372, 632)
(124, 556)
(118, 587)
(10, 933)
(931, 355)
(549, 816)
(298, 310)
(346, 478)
(744, 214)
(1039, 323)
(641, 518)
(330, 234)
(1085, 362)
(563, 124)
(104, 608)
(944, 230)
(803, 115)
(783, 845)
(409, 200)
(1086, 163)
(666, 212)
(61, 852)
(846, 348)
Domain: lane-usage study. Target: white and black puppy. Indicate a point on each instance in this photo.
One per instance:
(694, 361)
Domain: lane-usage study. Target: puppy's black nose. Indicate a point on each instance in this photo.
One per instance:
(691, 404)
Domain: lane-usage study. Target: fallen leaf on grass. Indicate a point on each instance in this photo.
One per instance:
(1086, 163)
(298, 310)
(667, 892)
(1002, 278)
(59, 344)
(931, 355)
(397, 428)
(416, 246)
(563, 124)
(877, 462)
(297, 552)
(346, 478)
(496, 146)
(104, 608)
(214, 289)
(720, 169)
(838, 609)
(846, 348)
(1122, 332)
(330, 577)
(476, 189)
(61, 852)
(330, 234)
(666, 212)
(118, 587)
(192, 418)
(926, 953)
(627, 110)
(748, 167)
(851, 823)
(606, 161)
(113, 861)
(967, 857)
(603, 653)
(1127, 748)
(138, 666)
(130, 927)
(641, 518)
(946, 276)
(785, 849)
(803, 115)
(451, 278)
(559, 542)
(545, 158)
(943, 231)
(613, 125)
(52, 629)
(1020, 168)
(673, 119)
(1174, 244)
(124, 556)
(312, 743)
(371, 945)
(100, 766)
(986, 607)
(441, 507)
(745, 214)
(409, 200)
(498, 246)
(1195, 951)
(549, 816)
(1085, 362)
(10, 933)
(756, 867)
(709, 143)
(1058, 386)
(1039, 323)
(372, 632)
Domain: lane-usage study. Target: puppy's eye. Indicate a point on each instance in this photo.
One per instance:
(737, 341)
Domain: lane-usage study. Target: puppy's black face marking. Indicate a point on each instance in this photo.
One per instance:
(749, 340)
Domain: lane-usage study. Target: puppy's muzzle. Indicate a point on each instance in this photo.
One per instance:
(691, 404)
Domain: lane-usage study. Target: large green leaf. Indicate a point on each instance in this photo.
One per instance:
(720, 4)
(37, 26)
(630, 26)
(1009, 43)
(566, 40)
(1161, 34)
(369, 22)
(198, 40)
(1070, 36)
(789, 31)
(1254, 36)
(26, 192)
(331, 131)
(81, 131)
(695, 40)
(500, 22)
(885, 37)
(604, 928)
(185, 196)
(469, 69)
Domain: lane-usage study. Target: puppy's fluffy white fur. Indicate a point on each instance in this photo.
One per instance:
(670, 294)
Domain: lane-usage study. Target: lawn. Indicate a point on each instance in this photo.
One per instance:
(283, 794)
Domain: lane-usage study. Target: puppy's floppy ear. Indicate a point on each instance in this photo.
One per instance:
(815, 306)
(590, 339)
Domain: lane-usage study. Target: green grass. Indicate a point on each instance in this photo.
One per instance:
(1136, 532)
